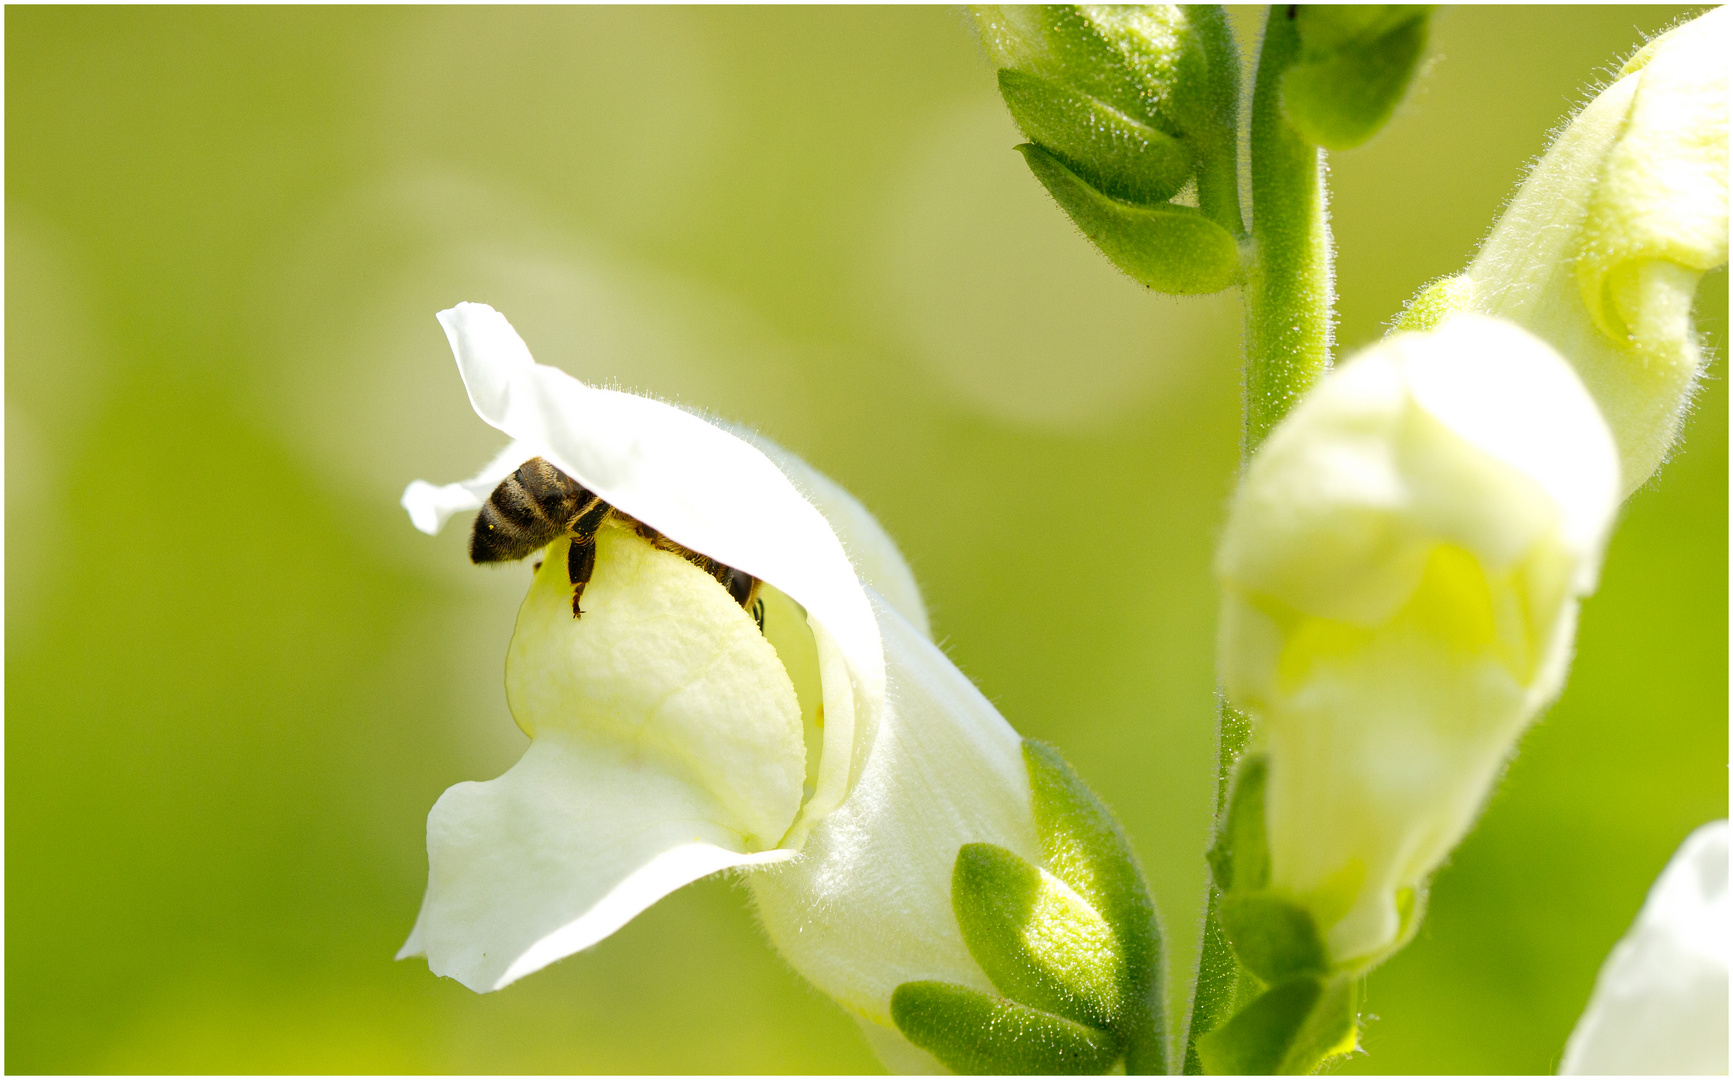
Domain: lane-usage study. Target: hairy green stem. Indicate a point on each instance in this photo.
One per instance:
(1290, 286)
(1289, 315)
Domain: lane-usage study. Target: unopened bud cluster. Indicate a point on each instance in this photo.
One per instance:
(1126, 108)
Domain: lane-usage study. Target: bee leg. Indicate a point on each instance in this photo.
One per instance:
(758, 614)
(580, 564)
(743, 587)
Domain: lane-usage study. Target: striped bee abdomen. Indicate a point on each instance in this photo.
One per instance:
(530, 509)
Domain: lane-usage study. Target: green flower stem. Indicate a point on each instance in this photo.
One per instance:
(1290, 286)
(1221, 980)
(1289, 317)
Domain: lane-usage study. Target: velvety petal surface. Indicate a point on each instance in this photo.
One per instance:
(1400, 572)
(1660, 1002)
(867, 906)
(573, 842)
(1600, 251)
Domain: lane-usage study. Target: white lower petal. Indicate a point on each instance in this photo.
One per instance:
(667, 746)
(867, 906)
(1660, 1002)
(565, 848)
(666, 666)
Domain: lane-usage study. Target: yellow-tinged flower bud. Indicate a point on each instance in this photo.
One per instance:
(1401, 569)
(1602, 248)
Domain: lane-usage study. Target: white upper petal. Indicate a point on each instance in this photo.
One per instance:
(704, 487)
(1660, 1002)
(700, 485)
(876, 557)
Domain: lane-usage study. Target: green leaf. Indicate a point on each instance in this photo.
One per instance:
(1273, 938)
(1291, 1029)
(1332, 1029)
(1172, 249)
(975, 1033)
(1355, 63)
(1088, 851)
(1114, 152)
(1126, 59)
(1219, 979)
(1041, 944)
(1328, 29)
(1240, 856)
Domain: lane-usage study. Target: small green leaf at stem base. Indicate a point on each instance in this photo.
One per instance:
(975, 1033)
(1087, 850)
(1274, 939)
(1289, 1030)
(1219, 979)
(1040, 943)
(1168, 248)
(1240, 857)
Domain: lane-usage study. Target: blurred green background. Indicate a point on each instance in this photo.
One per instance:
(236, 679)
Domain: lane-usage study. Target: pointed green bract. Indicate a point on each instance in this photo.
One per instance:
(1075, 947)
(1172, 249)
(1039, 942)
(1355, 64)
(1086, 849)
(1219, 976)
(1116, 153)
(1274, 939)
(1240, 856)
(1289, 1030)
(975, 1033)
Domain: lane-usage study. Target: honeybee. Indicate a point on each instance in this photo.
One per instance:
(538, 504)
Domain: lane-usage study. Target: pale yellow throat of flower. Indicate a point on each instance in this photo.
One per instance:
(665, 672)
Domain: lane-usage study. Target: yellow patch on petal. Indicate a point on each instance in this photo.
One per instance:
(664, 665)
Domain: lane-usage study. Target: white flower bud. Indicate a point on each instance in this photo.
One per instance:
(1401, 569)
(1601, 250)
(1660, 1002)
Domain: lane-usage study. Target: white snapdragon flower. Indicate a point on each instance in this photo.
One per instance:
(1660, 1003)
(1401, 569)
(837, 754)
(1601, 250)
